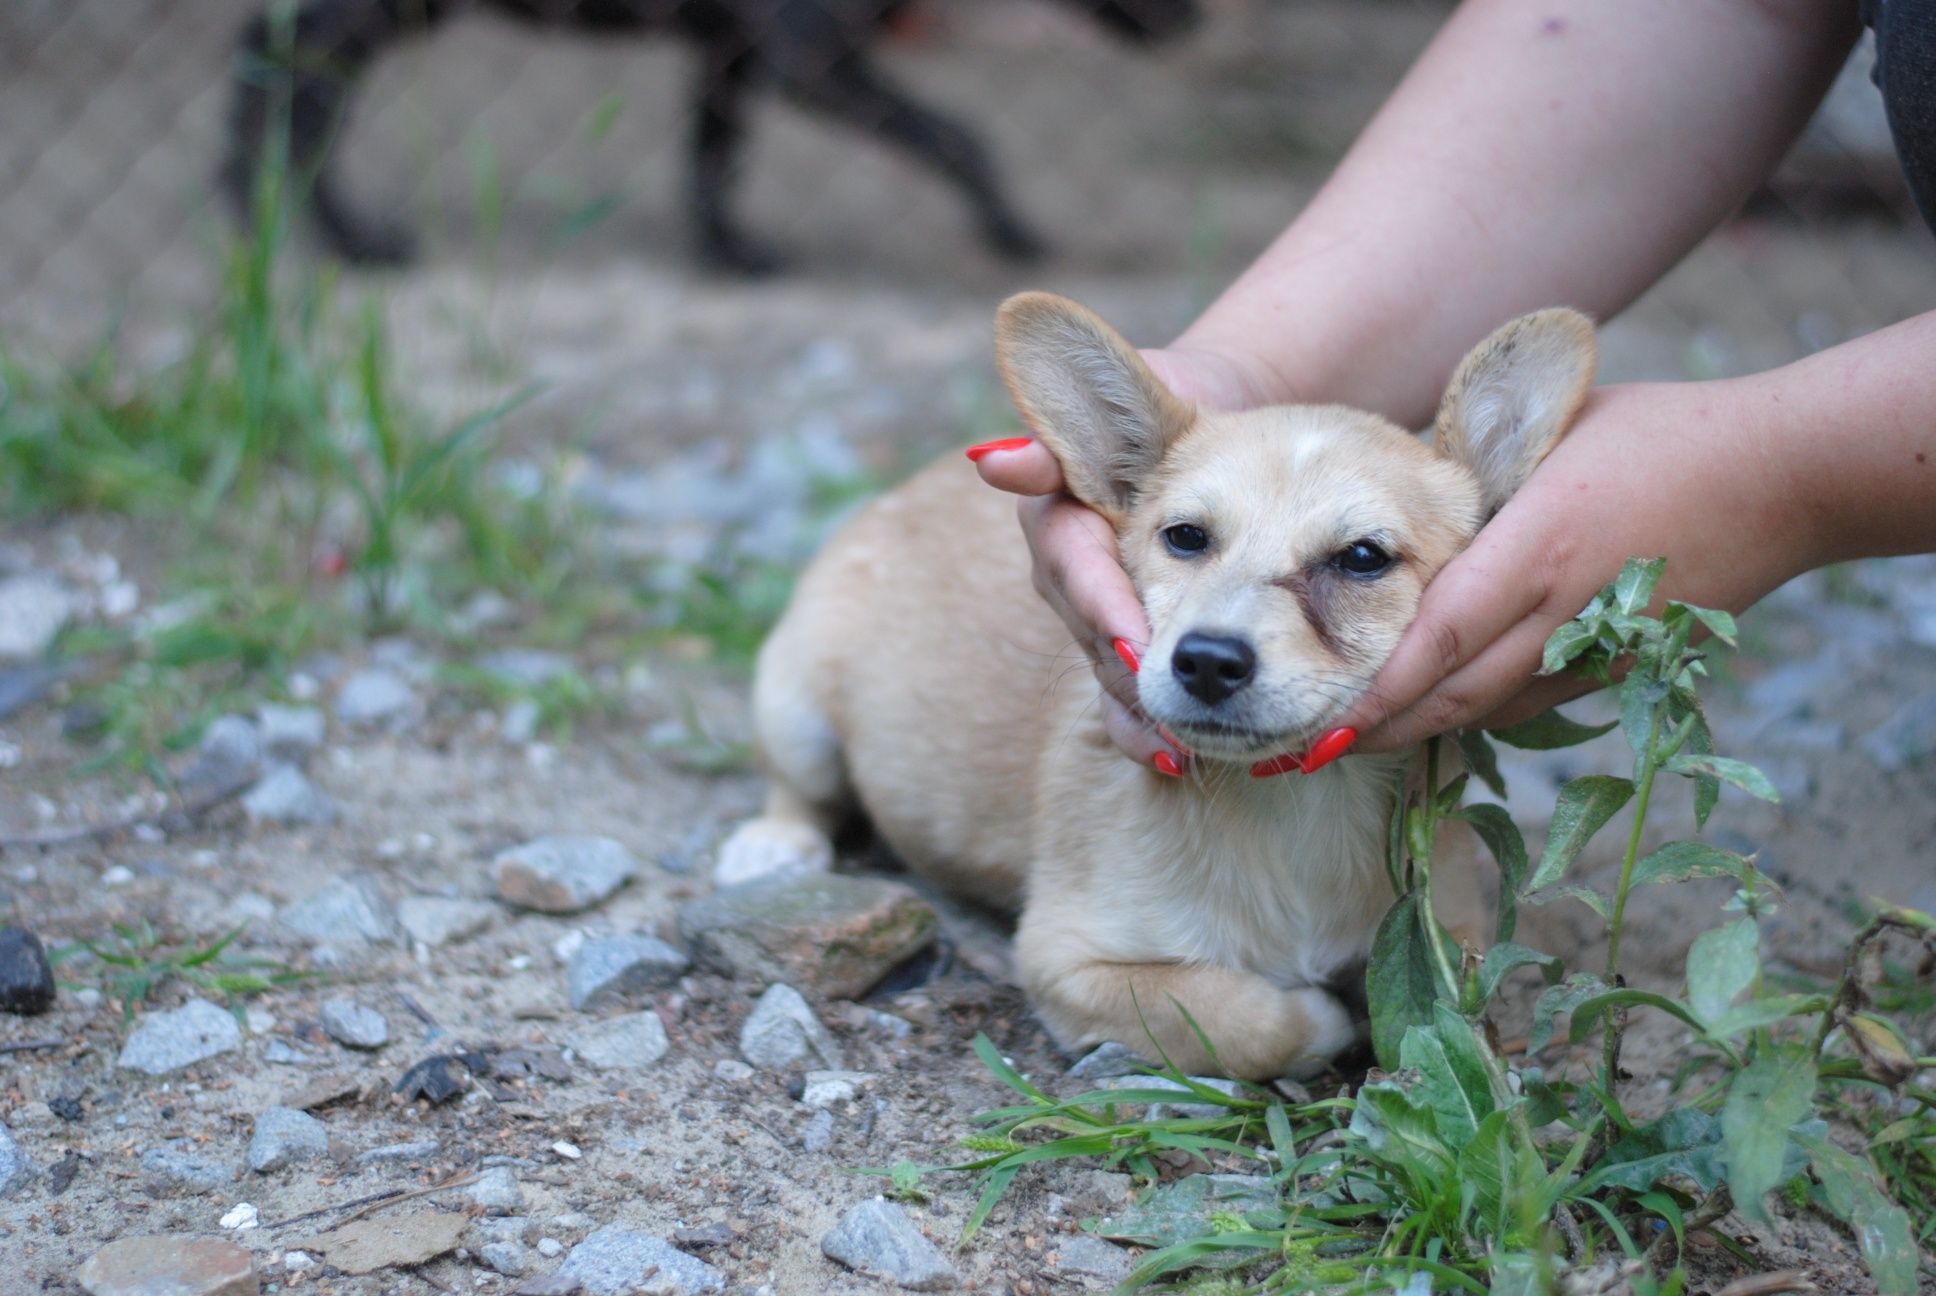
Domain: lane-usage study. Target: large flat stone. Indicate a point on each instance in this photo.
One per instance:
(833, 935)
(877, 1238)
(169, 1266)
(617, 1261)
(563, 874)
(169, 1041)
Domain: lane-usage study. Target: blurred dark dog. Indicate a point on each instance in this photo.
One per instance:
(815, 52)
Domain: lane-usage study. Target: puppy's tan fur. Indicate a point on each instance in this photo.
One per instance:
(918, 675)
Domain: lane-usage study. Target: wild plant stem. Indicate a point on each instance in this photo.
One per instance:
(1449, 981)
(1650, 762)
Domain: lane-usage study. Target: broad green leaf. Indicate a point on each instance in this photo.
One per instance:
(1856, 1194)
(1558, 1000)
(1685, 1143)
(1640, 698)
(1740, 773)
(1721, 963)
(1583, 809)
(1481, 759)
(1566, 643)
(1585, 895)
(1505, 958)
(1403, 1133)
(1549, 730)
(1633, 588)
(1589, 1011)
(1683, 860)
(1707, 787)
(1501, 836)
(1401, 984)
(1452, 1077)
(1756, 1013)
(1776, 1090)
(1719, 624)
(1488, 1167)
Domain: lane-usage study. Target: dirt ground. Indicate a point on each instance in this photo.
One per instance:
(687, 409)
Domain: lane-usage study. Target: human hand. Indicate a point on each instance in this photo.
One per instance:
(1077, 567)
(1674, 469)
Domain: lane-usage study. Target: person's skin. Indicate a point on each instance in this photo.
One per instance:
(1547, 154)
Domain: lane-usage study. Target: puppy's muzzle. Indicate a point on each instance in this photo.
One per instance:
(1212, 667)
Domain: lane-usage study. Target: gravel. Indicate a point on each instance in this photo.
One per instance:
(284, 1137)
(877, 1238)
(230, 753)
(286, 796)
(26, 977)
(617, 1261)
(168, 1041)
(437, 920)
(418, 1150)
(608, 970)
(351, 1024)
(376, 697)
(496, 1192)
(826, 1088)
(16, 1167)
(34, 609)
(782, 1031)
(563, 874)
(635, 1040)
(291, 733)
(179, 1163)
(349, 911)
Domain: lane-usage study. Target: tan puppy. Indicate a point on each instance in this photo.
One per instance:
(1280, 554)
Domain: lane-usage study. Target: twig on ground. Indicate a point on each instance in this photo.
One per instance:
(28, 1046)
(364, 1205)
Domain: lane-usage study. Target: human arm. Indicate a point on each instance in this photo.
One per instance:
(1538, 153)
(1741, 483)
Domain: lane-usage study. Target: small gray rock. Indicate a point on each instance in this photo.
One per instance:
(1085, 1256)
(283, 1053)
(178, 1163)
(375, 697)
(284, 1136)
(826, 1088)
(782, 1031)
(348, 911)
(612, 969)
(563, 874)
(437, 920)
(877, 1238)
(420, 1150)
(617, 1261)
(230, 753)
(16, 1167)
(834, 935)
(351, 1024)
(286, 796)
(291, 733)
(34, 609)
(632, 1041)
(497, 1191)
(525, 667)
(508, 1258)
(818, 1136)
(169, 1041)
(1108, 1060)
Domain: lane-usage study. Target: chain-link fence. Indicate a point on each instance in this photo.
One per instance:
(570, 138)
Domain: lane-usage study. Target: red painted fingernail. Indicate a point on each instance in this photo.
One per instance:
(975, 452)
(1328, 748)
(1128, 653)
(1166, 764)
(1277, 765)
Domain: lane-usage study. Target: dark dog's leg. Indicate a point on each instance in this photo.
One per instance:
(726, 72)
(307, 70)
(847, 87)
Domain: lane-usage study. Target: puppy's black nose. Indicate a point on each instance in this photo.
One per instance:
(1212, 667)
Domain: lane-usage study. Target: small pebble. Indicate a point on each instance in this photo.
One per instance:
(355, 1026)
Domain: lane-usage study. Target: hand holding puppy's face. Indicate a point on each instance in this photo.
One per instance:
(1280, 553)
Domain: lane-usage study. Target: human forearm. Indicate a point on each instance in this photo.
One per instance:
(1540, 152)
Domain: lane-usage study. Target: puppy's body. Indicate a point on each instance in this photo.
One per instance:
(918, 675)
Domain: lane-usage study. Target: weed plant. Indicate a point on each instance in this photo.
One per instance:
(1453, 1168)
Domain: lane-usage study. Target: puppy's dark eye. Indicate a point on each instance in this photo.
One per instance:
(1184, 539)
(1361, 558)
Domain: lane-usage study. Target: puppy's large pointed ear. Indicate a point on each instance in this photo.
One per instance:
(1514, 396)
(1088, 395)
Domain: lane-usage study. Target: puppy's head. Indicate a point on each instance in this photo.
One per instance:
(1280, 553)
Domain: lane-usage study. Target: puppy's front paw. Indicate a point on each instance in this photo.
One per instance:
(1330, 1032)
(768, 847)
